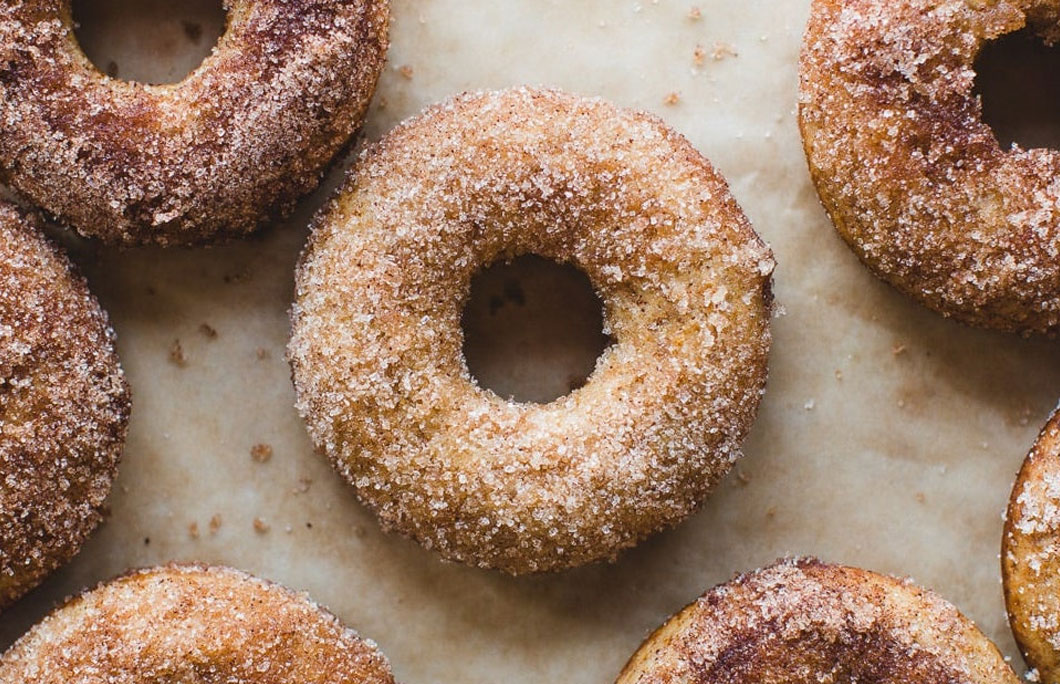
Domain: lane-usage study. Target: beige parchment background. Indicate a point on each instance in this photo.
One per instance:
(889, 437)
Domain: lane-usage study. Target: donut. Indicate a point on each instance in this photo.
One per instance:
(192, 624)
(805, 622)
(1030, 555)
(376, 343)
(912, 177)
(213, 157)
(64, 408)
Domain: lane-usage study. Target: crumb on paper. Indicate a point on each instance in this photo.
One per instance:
(262, 353)
(260, 526)
(901, 403)
(304, 483)
(771, 512)
(176, 354)
(742, 477)
(208, 331)
(382, 103)
(672, 98)
(215, 523)
(193, 530)
(809, 404)
(261, 452)
(921, 497)
(406, 72)
(838, 374)
(699, 55)
(695, 13)
(722, 51)
(898, 349)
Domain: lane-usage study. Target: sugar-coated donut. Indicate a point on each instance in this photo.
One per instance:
(1030, 555)
(376, 345)
(192, 624)
(805, 622)
(212, 157)
(912, 177)
(64, 408)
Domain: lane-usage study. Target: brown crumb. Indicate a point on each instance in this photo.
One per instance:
(742, 477)
(262, 353)
(920, 497)
(699, 55)
(176, 354)
(694, 13)
(215, 523)
(722, 50)
(193, 530)
(208, 330)
(406, 72)
(261, 453)
(838, 374)
(383, 103)
(672, 98)
(260, 526)
(771, 512)
(304, 483)
(898, 349)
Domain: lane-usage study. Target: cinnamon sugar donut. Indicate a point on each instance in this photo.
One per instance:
(804, 622)
(1030, 555)
(196, 625)
(376, 345)
(913, 179)
(64, 408)
(230, 147)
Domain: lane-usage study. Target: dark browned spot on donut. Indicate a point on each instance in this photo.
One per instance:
(1018, 80)
(533, 329)
(150, 41)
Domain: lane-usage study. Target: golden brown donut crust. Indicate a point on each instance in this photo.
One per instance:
(64, 408)
(376, 346)
(1030, 555)
(804, 622)
(913, 179)
(193, 625)
(230, 147)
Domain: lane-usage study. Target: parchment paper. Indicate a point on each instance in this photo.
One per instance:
(889, 437)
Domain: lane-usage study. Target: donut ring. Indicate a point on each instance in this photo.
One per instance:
(1030, 555)
(64, 408)
(230, 147)
(912, 178)
(192, 624)
(376, 345)
(805, 622)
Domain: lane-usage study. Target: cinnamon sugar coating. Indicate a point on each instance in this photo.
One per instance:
(64, 408)
(194, 625)
(1030, 555)
(913, 179)
(230, 147)
(805, 622)
(376, 346)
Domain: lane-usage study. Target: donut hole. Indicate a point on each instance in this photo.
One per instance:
(533, 329)
(148, 41)
(1018, 82)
